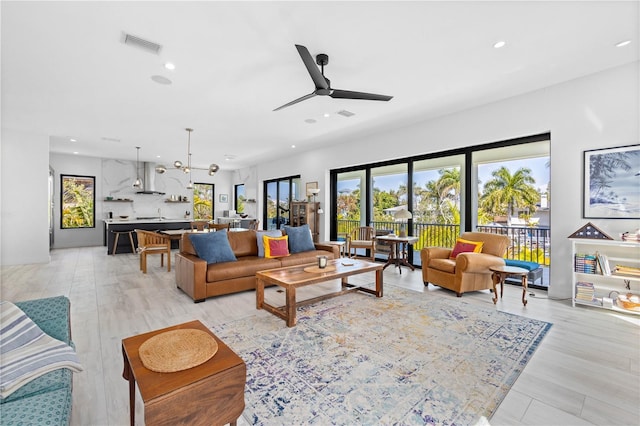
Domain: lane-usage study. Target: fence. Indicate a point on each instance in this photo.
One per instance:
(527, 243)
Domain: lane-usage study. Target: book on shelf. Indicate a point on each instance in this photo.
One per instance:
(585, 263)
(603, 263)
(585, 292)
(631, 271)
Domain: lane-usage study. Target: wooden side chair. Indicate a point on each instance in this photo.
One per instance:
(153, 243)
(199, 225)
(362, 237)
(254, 224)
(219, 226)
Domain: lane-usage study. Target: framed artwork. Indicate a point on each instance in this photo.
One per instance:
(77, 202)
(611, 182)
(311, 185)
(224, 198)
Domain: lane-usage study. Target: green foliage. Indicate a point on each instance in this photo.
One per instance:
(507, 192)
(77, 203)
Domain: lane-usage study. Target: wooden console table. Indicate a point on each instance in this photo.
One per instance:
(210, 393)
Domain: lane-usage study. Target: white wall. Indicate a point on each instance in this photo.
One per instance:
(597, 111)
(24, 171)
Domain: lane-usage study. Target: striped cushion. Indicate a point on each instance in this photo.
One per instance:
(26, 352)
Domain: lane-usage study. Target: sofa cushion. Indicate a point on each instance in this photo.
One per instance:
(260, 241)
(246, 266)
(275, 246)
(465, 246)
(26, 352)
(299, 238)
(529, 266)
(47, 408)
(243, 243)
(305, 257)
(444, 265)
(213, 247)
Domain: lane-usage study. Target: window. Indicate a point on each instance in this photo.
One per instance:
(239, 197)
(203, 200)
(77, 202)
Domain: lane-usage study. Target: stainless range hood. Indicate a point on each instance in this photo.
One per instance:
(149, 180)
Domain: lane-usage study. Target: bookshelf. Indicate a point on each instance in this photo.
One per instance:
(306, 213)
(604, 270)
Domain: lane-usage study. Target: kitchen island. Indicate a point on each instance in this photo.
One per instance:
(148, 224)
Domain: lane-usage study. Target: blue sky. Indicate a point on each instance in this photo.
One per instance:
(539, 171)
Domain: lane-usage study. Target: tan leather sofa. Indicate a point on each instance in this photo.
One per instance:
(201, 281)
(468, 271)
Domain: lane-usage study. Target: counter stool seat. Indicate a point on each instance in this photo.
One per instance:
(115, 241)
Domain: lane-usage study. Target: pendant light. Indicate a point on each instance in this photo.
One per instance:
(212, 170)
(138, 181)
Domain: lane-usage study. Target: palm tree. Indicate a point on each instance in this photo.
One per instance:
(506, 192)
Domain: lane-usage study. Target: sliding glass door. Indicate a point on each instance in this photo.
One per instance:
(484, 188)
(279, 194)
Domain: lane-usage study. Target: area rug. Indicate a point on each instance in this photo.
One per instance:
(408, 358)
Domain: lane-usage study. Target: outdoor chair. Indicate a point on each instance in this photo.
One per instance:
(362, 237)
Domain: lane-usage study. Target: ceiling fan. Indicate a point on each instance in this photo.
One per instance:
(323, 85)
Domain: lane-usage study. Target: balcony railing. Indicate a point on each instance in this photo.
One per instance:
(527, 243)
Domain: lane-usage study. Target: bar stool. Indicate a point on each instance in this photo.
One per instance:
(115, 241)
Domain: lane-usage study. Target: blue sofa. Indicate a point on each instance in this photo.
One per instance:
(47, 399)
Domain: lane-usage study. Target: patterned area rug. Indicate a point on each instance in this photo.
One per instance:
(408, 358)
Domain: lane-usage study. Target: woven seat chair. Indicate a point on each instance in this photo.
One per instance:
(362, 237)
(219, 226)
(153, 243)
(200, 225)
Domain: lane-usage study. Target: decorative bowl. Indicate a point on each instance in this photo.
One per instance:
(124, 217)
(243, 215)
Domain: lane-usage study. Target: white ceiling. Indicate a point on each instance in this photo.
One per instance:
(66, 73)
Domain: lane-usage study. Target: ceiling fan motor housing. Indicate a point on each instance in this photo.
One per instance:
(322, 59)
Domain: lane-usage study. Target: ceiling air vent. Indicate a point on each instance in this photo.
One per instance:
(346, 113)
(147, 45)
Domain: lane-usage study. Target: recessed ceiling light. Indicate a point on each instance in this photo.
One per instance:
(170, 66)
(293, 146)
(623, 43)
(327, 115)
(160, 79)
(76, 152)
(499, 44)
(72, 140)
(157, 156)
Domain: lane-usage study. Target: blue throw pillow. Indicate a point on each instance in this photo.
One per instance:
(213, 247)
(299, 238)
(259, 234)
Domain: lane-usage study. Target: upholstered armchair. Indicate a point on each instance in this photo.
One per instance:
(469, 271)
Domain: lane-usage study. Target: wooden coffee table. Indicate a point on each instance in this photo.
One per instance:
(292, 277)
(210, 393)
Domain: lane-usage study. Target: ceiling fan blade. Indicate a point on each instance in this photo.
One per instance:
(314, 72)
(303, 98)
(348, 94)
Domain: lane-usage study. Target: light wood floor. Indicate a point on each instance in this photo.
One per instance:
(586, 371)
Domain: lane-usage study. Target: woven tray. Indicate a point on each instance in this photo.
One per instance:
(177, 350)
(315, 269)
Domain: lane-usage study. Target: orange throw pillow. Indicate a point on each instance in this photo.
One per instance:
(276, 246)
(466, 246)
